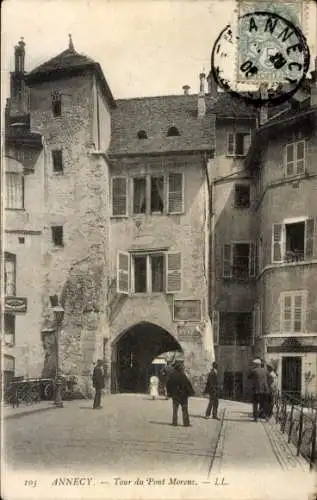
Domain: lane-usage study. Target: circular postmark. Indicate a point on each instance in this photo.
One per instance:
(264, 50)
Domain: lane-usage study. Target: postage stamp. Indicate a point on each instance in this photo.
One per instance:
(267, 41)
(265, 49)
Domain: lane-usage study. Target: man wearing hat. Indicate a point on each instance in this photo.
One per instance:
(258, 376)
(98, 381)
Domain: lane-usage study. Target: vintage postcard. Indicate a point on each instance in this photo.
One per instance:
(159, 249)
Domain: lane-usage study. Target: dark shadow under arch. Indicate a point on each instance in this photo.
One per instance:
(133, 353)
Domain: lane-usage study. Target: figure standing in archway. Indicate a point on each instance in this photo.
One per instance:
(154, 385)
(179, 389)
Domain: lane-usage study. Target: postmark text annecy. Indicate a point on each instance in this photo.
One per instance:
(270, 48)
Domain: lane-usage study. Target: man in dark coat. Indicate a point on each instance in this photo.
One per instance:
(212, 390)
(164, 374)
(98, 381)
(258, 377)
(179, 389)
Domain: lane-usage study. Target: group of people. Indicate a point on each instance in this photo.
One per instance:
(264, 386)
(178, 387)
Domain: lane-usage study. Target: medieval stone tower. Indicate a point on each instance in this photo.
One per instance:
(70, 106)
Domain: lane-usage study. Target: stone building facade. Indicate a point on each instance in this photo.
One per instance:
(282, 161)
(263, 283)
(123, 214)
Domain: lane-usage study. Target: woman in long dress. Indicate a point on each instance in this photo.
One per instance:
(154, 386)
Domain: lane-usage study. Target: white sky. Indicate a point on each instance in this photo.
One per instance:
(149, 47)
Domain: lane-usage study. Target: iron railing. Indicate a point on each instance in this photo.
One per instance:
(297, 418)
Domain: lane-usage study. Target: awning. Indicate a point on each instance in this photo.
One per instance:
(158, 361)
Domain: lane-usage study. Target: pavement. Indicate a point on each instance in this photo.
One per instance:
(129, 443)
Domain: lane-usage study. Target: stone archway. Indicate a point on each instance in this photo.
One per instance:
(132, 355)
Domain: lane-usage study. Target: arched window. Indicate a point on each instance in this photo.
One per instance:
(172, 132)
(142, 134)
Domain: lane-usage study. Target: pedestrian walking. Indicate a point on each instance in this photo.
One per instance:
(154, 386)
(272, 389)
(258, 377)
(213, 392)
(179, 389)
(98, 381)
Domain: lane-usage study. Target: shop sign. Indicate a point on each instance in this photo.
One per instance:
(15, 305)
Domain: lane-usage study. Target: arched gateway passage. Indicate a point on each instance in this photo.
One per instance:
(133, 353)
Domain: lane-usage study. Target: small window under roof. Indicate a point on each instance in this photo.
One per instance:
(172, 132)
(142, 134)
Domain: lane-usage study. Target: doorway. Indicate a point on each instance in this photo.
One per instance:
(292, 375)
(133, 354)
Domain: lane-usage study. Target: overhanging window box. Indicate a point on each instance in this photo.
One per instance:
(293, 240)
(149, 272)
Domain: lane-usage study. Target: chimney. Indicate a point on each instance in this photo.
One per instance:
(201, 108)
(212, 85)
(19, 56)
(186, 89)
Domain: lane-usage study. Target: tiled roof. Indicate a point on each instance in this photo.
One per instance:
(155, 115)
(68, 62)
(231, 106)
(69, 58)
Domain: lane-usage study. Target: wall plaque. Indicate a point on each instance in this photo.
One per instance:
(188, 333)
(187, 310)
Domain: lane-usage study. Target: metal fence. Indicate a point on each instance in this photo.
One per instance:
(297, 418)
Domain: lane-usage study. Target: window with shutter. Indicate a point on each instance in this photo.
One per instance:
(293, 311)
(295, 158)
(309, 238)
(277, 250)
(119, 196)
(14, 195)
(215, 326)
(227, 261)
(175, 193)
(123, 272)
(173, 272)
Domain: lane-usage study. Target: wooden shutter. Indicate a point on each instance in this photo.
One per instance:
(277, 240)
(119, 196)
(252, 260)
(287, 313)
(173, 272)
(215, 326)
(309, 238)
(175, 193)
(123, 272)
(300, 157)
(227, 261)
(289, 159)
(230, 144)
(298, 310)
